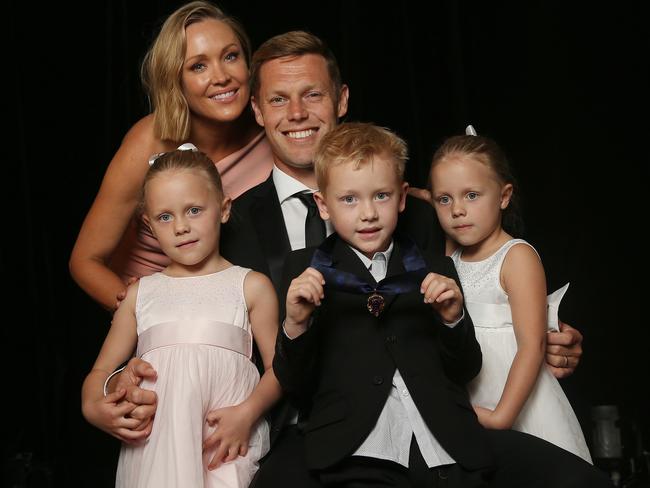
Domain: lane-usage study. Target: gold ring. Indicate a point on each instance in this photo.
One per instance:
(566, 361)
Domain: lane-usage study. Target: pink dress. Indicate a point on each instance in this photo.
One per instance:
(195, 332)
(139, 253)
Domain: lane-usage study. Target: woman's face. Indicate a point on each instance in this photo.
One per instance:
(214, 76)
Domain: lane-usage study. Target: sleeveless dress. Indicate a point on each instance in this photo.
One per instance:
(139, 253)
(196, 334)
(547, 413)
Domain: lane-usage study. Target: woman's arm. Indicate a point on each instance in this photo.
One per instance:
(235, 422)
(111, 213)
(522, 278)
(108, 413)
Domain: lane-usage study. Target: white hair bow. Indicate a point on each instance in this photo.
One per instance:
(188, 146)
(469, 130)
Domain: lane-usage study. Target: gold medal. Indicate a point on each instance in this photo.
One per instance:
(375, 304)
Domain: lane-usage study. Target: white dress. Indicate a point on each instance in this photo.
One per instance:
(196, 334)
(547, 413)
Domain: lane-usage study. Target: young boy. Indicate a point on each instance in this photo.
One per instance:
(376, 347)
(377, 366)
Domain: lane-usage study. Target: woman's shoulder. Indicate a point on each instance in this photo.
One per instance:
(138, 145)
(141, 137)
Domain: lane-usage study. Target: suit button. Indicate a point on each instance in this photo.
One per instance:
(377, 380)
(391, 339)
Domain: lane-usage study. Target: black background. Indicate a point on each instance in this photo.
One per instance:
(561, 88)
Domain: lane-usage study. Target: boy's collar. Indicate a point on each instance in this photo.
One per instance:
(366, 261)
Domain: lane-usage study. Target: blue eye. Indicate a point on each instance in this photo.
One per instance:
(444, 200)
(472, 195)
(348, 199)
(382, 195)
(194, 211)
(165, 217)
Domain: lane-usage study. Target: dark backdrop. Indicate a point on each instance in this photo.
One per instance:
(561, 88)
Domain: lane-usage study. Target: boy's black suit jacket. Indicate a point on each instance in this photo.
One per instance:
(340, 371)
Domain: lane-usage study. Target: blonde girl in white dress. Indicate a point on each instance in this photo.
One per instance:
(505, 291)
(195, 322)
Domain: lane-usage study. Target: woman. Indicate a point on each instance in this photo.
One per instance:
(196, 75)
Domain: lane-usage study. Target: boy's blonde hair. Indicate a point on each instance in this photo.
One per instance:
(358, 143)
(163, 64)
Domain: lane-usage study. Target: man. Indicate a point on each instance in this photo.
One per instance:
(298, 97)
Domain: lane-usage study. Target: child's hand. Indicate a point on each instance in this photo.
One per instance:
(305, 293)
(444, 296)
(231, 436)
(490, 419)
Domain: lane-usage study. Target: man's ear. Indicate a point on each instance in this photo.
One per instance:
(258, 113)
(226, 205)
(402, 197)
(506, 195)
(322, 206)
(344, 96)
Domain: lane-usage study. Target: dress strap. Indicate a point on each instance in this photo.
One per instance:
(209, 332)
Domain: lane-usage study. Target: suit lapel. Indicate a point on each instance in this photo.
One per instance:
(395, 267)
(271, 229)
(345, 259)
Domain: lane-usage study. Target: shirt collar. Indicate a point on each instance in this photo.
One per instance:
(286, 186)
(367, 262)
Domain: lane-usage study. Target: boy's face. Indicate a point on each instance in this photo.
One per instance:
(363, 203)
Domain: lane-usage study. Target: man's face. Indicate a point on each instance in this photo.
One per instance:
(363, 203)
(297, 106)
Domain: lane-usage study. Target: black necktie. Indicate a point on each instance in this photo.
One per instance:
(314, 225)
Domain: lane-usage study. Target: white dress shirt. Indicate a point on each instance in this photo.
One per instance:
(293, 210)
(400, 419)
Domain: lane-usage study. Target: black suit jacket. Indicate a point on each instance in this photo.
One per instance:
(341, 369)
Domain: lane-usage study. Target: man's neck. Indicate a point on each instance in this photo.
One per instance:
(306, 176)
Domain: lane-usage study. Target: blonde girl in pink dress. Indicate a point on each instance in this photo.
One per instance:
(195, 322)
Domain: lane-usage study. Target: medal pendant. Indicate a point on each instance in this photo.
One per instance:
(375, 304)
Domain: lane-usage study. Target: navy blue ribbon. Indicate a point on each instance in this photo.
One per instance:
(409, 281)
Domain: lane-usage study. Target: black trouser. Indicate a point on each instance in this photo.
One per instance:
(521, 461)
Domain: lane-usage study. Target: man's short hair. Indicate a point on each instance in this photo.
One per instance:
(292, 44)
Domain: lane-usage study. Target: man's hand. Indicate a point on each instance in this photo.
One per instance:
(563, 350)
(305, 293)
(444, 296)
(144, 401)
(421, 193)
(111, 414)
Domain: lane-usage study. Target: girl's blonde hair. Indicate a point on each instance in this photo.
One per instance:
(162, 67)
(178, 160)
